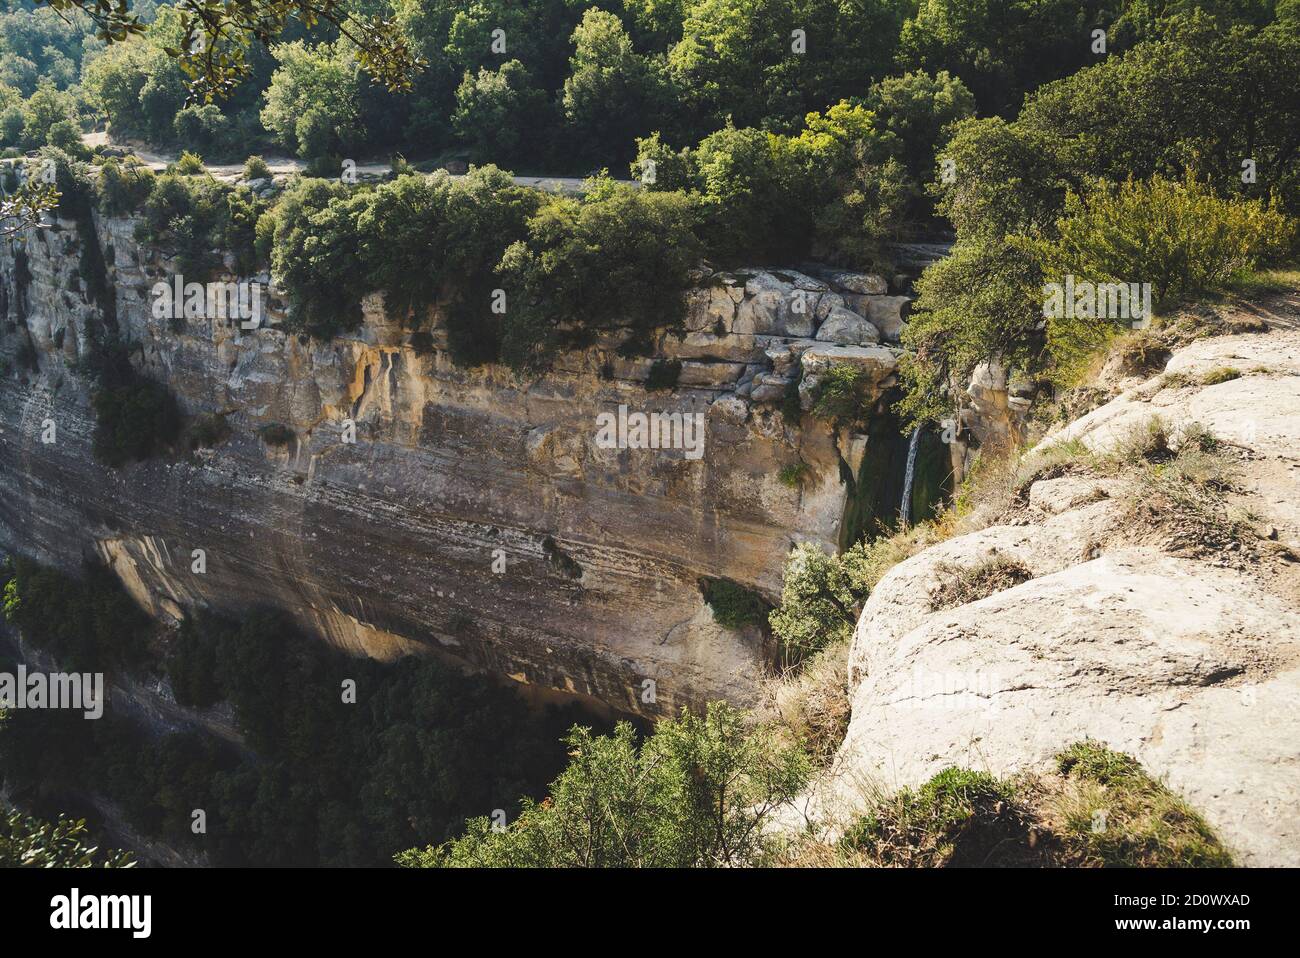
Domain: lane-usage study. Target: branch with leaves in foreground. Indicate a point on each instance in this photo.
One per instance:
(217, 33)
(25, 207)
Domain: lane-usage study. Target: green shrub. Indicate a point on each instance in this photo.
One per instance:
(843, 396)
(312, 235)
(1112, 813)
(696, 793)
(187, 164)
(203, 128)
(792, 474)
(821, 597)
(616, 256)
(88, 624)
(185, 217)
(332, 782)
(27, 842)
(1177, 236)
(958, 817)
(255, 168)
(733, 605)
(123, 186)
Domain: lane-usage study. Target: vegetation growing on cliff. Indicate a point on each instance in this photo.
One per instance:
(87, 624)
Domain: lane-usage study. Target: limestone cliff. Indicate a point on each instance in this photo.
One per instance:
(386, 545)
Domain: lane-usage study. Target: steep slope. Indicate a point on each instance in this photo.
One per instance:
(476, 513)
(1142, 588)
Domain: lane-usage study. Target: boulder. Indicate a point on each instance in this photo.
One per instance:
(887, 313)
(847, 328)
(867, 284)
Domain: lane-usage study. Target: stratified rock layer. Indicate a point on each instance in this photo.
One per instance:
(474, 514)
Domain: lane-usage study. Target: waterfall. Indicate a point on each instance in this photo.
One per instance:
(905, 508)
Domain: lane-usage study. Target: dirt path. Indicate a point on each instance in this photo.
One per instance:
(285, 165)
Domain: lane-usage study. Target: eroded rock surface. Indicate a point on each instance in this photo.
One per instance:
(1190, 661)
(387, 545)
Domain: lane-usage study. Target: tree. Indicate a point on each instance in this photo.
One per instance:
(499, 113)
(137, 85)
(44, 109)
(1002, 49)
(612, 94)
(920, 109)
(616, 256)
(204, 129)
(697, 793)
(214, 37)
(821, 598)
(983, 301)
(311, 104)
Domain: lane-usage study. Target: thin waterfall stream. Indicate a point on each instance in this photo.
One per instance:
(909, 474)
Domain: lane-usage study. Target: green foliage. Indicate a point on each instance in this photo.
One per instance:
(27, 842)
(617, 256)
(205, 130)
(313, 242)
(1142, 823)
(495, 112)
(417, 238)
(843, 396)
(958, 817)
(185, 217)
(139, 87)
(792, 474)
(45, 110)
(88, 624)
(837, 190)
(255, 168)
(312, 104)
(985, 299)
(613, 94)
(735, 57)
(123, 186)
(135, 420)
(1001, 50)
(207, 431)
(919, 110)
(821, 597)
(696, 793)
(332, 782)
(188, 164)
(1177, 236)
(734, 606)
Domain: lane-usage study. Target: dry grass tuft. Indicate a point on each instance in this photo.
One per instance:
(963, 586)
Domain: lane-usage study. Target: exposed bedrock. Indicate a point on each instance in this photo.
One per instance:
(386, 545)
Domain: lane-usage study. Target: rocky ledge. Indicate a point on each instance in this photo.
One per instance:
(1155, 607)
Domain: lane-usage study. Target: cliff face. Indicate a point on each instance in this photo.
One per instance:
(388, 545)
